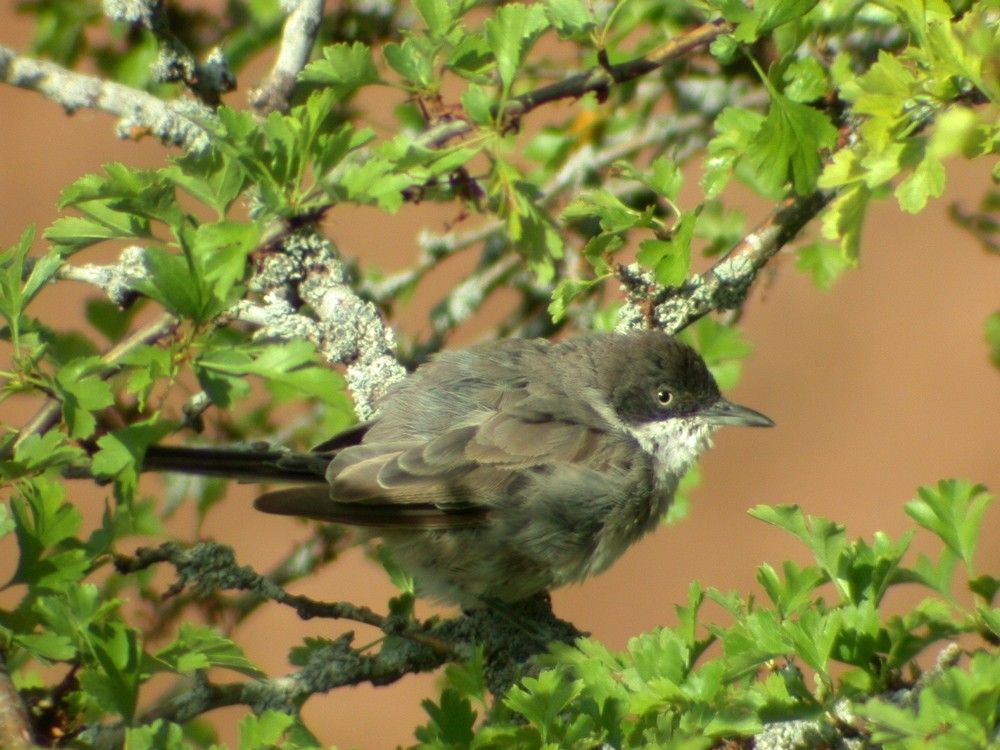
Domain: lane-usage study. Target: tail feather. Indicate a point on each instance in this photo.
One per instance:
(233, 463)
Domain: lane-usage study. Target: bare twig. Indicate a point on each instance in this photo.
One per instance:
(297, 38)
(601, 78)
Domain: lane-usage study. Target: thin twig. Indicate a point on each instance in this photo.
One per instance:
(298, 35)
(601, 78)
(48, 415)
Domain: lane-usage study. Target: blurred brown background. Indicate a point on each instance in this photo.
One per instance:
(878, 386)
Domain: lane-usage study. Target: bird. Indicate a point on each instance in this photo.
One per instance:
(506, 469)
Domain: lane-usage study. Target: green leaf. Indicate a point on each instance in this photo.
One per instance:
(793, 593)
(171, 282)
(45, 528)
(36, 453)
(13, 297)
(47, 645)
(805, 80)
(344, 67)
(670, 259)
(437, 15)
(219, 253)
(477, 104)
(533, 231)
(953, 510)
(120, 452)
(214, 178)
(511, 33)
(123, 194)
(112, 678)
(993, 337)
(452, 720)
(763, 17)
(265, 731)
(471, 58)
(159, 735)
(146, 366)
(736, 129)
(376, 182)
(606, 207)
(925, 181)
(663, 177)
(200, 647)
(825, 539)
(565, 292)
(844, 219)
(292, 364)
(789, 144)
(401, 579)
(572, 19)
(823, 261)
(414, 61)
(7, 523)
(82, 391)
(541, 700)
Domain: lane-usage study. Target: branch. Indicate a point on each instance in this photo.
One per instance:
(330, 665)
(509, 636)
(15, 721)
(346, 329)
(725, 285)
(175, 62)
(174, 123)
(208, 567)
(600, 79)
(48, 415)
(662, 131)
(298, 35)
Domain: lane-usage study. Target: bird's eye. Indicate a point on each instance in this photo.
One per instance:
(663, 396)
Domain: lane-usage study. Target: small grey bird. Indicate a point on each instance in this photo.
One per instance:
(505, 469)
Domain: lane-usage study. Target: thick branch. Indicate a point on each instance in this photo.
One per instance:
(304, 266)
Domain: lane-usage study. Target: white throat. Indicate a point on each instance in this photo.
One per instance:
(674, 444)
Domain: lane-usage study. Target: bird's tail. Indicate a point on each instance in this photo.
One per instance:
(247, 465)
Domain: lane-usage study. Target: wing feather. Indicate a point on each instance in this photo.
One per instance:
(454, 477)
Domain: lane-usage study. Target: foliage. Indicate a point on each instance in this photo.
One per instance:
(700, 683)
(820, 108)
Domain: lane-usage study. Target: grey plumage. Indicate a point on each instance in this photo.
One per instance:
(508, 468)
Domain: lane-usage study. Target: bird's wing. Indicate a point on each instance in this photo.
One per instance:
(449, 480)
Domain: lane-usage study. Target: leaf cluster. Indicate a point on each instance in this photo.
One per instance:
(818, 647)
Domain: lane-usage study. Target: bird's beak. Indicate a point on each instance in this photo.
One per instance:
(725, 412)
